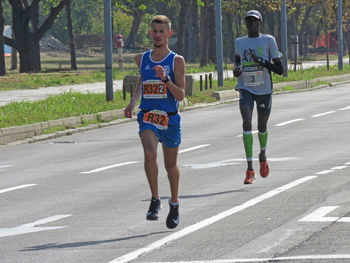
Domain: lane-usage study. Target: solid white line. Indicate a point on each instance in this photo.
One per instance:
(108, 167)
(347, 163)
(194, 148)
(288, 122)
(206, 222)
(325, 172)
(16, 188)
(346, 108)
(322, 114)
(312, 257)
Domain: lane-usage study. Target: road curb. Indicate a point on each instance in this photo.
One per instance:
(37, 132)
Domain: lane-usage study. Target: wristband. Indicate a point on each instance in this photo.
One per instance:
(166, 79)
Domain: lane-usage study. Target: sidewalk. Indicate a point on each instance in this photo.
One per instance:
(99, 87)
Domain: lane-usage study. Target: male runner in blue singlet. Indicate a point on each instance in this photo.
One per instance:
(162, 86)
(256, 56)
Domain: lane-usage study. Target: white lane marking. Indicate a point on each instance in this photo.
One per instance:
(194, 148)
(339, 167)
(32, 227)
(16, 188)
(6, 166)
(323, 114)
(253, 132)
(206, 222)
(346, 108)
(288, 122)
(243, 260)
(320, 216)
(234, 161)
(325, 172)
(347, 163)
(108, 167)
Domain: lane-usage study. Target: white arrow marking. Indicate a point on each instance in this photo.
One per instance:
(108, 167)
(288, 122)
(319, 216)
(194, 148)
(16, 188)
(32, 227)
(322, 114)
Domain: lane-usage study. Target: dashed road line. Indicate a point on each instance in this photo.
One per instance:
(16, 188)
(209, 221)
(288, 122)
(194, 148)
(108, 167)
(323, 114)
(346, 108)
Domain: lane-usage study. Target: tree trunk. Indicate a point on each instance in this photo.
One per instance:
(212, 32)
(181, 29)
(191, 50)
(73, 60)
(2, 56)
(13, 53)
(302, 32)
(130, 41)
(203, 34)
(230, 47)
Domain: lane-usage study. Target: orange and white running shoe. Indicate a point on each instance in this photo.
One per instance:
(249, 178)
(264, 169)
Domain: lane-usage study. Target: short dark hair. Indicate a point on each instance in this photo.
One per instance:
(161, 19)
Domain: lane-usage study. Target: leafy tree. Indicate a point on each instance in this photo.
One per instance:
(28, 32)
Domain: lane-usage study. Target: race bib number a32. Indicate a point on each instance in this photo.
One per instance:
(154, 89)
(158, 118)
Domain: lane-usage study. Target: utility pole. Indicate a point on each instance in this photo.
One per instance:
(219, 53)
(108, 50)
(284, 39)
(340, 35)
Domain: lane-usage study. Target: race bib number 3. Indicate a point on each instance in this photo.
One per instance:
(154, 89)
(158, 118)
(253, 78)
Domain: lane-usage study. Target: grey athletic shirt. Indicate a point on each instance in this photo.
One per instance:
(254, 78)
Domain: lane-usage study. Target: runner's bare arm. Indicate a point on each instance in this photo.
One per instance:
(135, 97)
(275, 67)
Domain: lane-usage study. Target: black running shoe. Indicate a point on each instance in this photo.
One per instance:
(173, 218)
(153, 209)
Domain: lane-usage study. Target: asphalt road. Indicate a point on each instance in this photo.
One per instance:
(83, 198)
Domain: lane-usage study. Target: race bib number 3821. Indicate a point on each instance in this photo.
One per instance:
(154, 89)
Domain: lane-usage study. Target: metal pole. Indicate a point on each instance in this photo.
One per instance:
(284, 39)
(108, 50)
(219, 52)
(340, 35)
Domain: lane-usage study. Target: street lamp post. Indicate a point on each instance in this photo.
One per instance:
(219, 53)
(108, 50)
(284, 39)
(340, 35)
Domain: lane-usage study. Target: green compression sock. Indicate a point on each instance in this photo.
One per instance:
(248, 144)
(263, 139)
